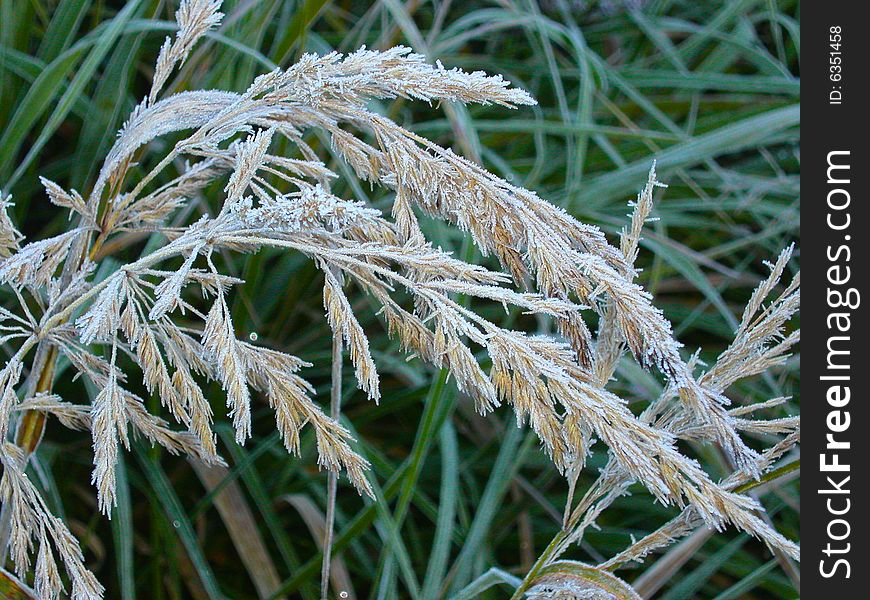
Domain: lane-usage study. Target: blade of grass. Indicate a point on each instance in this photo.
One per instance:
(506, 464)
(111, 99)
(437, 408)
(316, 523)
(718, 82)
(244, 463)
(176, 514)
(242, 528)
(33, 105)
(740, 589)
(746, 133)
(295, 33)
(361, 521)
(692, 272)
(29, 68)
(490, 579)
(82, 76)
(688, 585)
(389, 529)
(692, 46)
(122, 532)
(65, 22)
(440, 553)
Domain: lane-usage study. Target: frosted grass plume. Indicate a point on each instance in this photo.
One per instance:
(551, 265)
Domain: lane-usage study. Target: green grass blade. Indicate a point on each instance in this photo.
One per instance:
(394, 543)
(713, 82)
(692, 272)
(111, 100)
(33, 105)
(355, 527)
(176, 515)
(746, 133)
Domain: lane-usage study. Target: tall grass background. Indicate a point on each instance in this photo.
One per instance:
(709, 90)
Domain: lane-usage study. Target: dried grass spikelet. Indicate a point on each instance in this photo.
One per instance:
(71, 200)
(274, 374)
(10, 237)
(557, 384)
(9, 377)
(219, 341)
(33, 525)
(341, 319)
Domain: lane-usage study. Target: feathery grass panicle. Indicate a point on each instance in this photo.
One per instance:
(558, 384)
